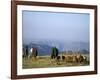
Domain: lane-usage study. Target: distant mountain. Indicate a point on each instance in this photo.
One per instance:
(76, 46)
(84, 51)
(44, 47)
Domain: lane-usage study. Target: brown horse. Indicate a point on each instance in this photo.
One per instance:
(33, 52)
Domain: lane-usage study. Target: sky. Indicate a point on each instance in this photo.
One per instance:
(62, 26)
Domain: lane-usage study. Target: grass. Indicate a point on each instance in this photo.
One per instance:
(46, 61)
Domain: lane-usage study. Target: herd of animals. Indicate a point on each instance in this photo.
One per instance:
(71, 58)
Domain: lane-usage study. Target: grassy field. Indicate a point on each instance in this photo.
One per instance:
(46, 61)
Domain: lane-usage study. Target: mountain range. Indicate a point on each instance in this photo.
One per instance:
(44, 47)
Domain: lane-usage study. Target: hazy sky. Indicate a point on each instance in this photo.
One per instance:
(55, 26)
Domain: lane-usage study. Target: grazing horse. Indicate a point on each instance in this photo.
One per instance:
(80, 58)
(58, 60)
(74, 60)
(33, 52)
(69, 58)
(63, 58)
(85, 58)
(25, 52)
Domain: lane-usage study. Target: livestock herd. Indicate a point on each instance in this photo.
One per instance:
(29, 53)
(68, 58)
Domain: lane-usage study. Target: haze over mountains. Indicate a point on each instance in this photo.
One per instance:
(44, 47)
